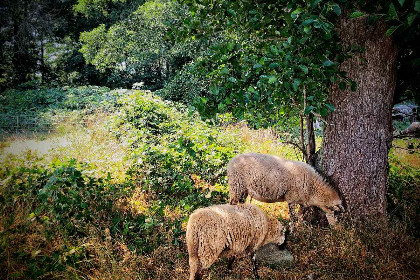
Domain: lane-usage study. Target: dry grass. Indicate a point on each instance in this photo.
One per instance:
(349, 251)
(407, 151)
(92, 144)
(264, 141)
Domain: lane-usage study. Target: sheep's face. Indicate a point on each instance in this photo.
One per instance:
(334, 207)
(332, 210)
(277, 233)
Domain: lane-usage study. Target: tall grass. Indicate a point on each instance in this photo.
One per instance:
(113, 202)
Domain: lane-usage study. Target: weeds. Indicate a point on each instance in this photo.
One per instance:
(113, 203)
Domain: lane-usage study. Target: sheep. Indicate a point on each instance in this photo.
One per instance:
(226, 231)
(268, 178)
(413, 128)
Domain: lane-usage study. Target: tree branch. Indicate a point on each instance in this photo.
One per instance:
(295, 145)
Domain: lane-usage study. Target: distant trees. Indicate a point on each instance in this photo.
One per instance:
(39, 44)
(135, 47)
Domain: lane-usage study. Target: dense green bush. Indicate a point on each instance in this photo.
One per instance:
(186, 87)
(170, 145)
(177, 160)
(64, 203)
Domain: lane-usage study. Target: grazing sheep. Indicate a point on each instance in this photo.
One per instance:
(225, 231)
(269, 178)
(413, 128)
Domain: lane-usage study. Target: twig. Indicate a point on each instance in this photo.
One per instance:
(296, 145)
(407, 149)
(406, 135)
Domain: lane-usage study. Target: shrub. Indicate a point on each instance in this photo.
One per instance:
(48, 212)
(170, 146)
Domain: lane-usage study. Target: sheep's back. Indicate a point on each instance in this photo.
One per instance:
(266, 177)
(227, 230)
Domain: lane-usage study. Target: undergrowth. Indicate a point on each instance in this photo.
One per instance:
(114, 203)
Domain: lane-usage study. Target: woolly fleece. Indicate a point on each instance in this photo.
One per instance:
(222, 231)
(269, 178)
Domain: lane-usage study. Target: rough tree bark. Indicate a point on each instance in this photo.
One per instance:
(310, 141)
(358, 133)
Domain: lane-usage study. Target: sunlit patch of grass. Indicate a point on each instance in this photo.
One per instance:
(94, 145)
(264, 141)
(277, 209)
(407, 151)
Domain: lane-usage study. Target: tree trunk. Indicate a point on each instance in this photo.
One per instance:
(310, 141)
(358, 133)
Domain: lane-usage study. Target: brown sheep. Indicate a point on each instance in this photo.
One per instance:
(269, 178)
(226, 231)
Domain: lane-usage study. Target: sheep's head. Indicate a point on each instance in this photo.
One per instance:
(276, 232)
(333, 209)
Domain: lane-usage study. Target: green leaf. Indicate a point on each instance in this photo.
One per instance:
(337, 9)
(272, 79)
(323, 112)
(392, 12)
(257, 66)
(224, 71)
(214, 90)
(417, 6)
(203, 100)
(392, 30)
(304, 69)
(353, 85)
(274, 65)
(281, 111)
(401, 2)
(342, 85)
(372, 19)
(327, 63)
(315, 3)
(295, 13)
(274, 50)
(310, 98)
(307, 22)
(232, 79)
(411, 18)
(232, 12)
(296, 84)
(230, 46)
(309, 109)
(251, 89)
(330, 107)
(356, 14)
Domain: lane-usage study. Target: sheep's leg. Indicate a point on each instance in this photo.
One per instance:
(300, 214)
(195, 269)
(286, 239)
(254, 267)
(292, 214)
(230, 263)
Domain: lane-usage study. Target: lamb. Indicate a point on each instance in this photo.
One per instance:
(226, 231)
(269, 178)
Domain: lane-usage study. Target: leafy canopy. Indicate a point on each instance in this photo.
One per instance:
(268, 58)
